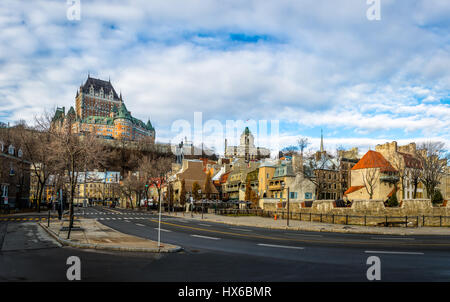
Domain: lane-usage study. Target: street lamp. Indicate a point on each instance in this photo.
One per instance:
(283, 186)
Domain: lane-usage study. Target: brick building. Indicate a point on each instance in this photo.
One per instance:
(14, 176)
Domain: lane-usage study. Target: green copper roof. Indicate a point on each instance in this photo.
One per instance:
(99, 120)
(123, 112)
(71, 111)
(149, 126)
(246, 131)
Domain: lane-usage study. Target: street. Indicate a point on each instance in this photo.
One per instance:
(219, 252)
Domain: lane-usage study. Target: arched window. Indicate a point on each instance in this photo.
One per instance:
(20, 153)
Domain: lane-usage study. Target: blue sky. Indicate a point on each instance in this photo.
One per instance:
(309, 64)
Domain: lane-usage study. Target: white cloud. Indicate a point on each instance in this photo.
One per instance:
(323, 62)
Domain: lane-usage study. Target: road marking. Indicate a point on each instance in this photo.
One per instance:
(163, 230)
(395, 253)
(126, 220)
(387, 238)
(101, 218)
(241, 229)
(282, 246)
(365, 242)
(205, 237)
(139, 224)
(204, 224)
(308, 235)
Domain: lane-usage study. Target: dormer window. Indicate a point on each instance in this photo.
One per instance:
(11, 150)
(101, 92)
(91, 90)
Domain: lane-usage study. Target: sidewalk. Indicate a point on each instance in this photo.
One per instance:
(89, 233)
(270, 223)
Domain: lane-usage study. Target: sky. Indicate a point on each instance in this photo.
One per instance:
(308, 64)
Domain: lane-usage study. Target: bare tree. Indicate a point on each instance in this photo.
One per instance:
(156, 171)
(370, 180)
(302, 143)
(127, 188)
(315, 169)
(433, 160)
(414, 176)
(35, 143)
(208, 185)
(73, 154)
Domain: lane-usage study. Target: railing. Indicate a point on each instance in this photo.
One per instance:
(366, 220)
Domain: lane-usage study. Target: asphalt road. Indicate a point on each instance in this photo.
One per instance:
(224, 253)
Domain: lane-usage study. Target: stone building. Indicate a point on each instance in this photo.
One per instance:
(14, 175)
(99, 110)
(191, 172)
(246, 148)
(391, 166)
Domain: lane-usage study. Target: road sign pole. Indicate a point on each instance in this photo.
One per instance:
(159, 225)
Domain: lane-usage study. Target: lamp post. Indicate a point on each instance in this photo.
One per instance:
(283, 186)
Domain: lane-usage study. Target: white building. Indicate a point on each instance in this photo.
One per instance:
(246, 148)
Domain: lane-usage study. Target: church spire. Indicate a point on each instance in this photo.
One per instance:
(321, 140)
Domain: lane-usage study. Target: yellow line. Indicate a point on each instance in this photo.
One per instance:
(300, 240)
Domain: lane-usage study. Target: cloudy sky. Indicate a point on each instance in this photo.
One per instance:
(311, 64)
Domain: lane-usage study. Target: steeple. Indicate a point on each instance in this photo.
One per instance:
(321, 140)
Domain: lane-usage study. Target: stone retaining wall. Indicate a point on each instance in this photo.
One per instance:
(414, 207)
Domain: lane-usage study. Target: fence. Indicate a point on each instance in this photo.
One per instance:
(366, 220)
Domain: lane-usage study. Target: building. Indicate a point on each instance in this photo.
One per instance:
(347, 160)
(14, 176)
(288, 176)
(266, 171)
(246, 148)
(236, 181)
(191, 171)
(99, 110)
(404, 159)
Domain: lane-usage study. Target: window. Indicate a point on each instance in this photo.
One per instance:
(4, 191)
(308, 195)
(19, 153)
(11, 149)
(1, 146)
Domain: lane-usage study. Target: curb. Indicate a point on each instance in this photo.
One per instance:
(67, 242)
(321, 230)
